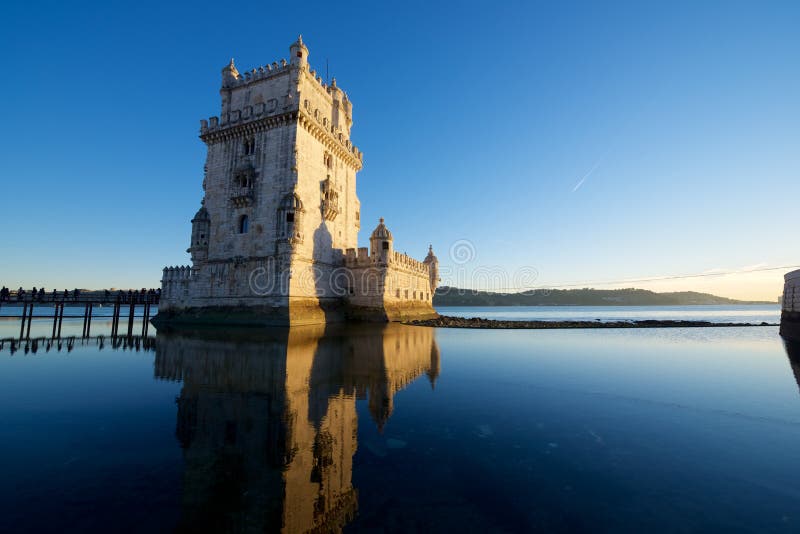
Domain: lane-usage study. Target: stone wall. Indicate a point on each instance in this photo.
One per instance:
(791, 292)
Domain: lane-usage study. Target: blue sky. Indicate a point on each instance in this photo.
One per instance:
(588, 141)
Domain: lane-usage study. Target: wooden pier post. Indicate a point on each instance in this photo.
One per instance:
(60, 320)
(115, 317)
(89, 322)
(130, 318)
(55, 318)
(85, 318)
(146, 316)
(22, 325)
(30, 316)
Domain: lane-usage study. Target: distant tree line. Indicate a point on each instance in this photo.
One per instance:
(451, 296)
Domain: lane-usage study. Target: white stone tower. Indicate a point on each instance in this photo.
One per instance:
(280, 208)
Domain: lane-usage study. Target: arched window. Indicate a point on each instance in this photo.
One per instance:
(244, 223)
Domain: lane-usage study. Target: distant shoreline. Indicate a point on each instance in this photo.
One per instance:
(451, 296)
(444, 321)
(608, 305)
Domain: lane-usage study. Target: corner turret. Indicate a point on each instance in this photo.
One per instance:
(229, 74)
(201, 223)
(433, 267)
(298, 53)
(380, 244)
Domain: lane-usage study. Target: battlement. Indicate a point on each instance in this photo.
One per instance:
(277, 68)
(237, 79)
(407, 262)
(323, 123)
(360, 258)
(264, 114)
(183, 272)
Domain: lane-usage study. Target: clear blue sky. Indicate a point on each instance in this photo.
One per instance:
(479, 121)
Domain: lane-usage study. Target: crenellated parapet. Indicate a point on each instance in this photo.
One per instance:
(355, 259)
(247, 113)
(240, 123)
(359, 258)
(334, 140)
(173, 274)
(252, 100)
(237, 79)
(404, 261)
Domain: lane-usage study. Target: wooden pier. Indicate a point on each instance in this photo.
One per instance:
(125, 308)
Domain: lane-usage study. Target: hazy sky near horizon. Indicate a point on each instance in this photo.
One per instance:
(558, 143)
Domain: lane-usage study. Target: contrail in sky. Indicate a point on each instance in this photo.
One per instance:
(585, 176)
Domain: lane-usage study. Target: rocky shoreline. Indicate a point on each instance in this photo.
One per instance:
(444, 321)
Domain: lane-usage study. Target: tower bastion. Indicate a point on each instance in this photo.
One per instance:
(275, 241)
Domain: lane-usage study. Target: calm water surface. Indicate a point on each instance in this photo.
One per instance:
(396, 428)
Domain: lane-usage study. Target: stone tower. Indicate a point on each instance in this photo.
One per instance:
(280, 208)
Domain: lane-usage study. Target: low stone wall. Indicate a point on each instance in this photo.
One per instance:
(296, 312)
(392, 311)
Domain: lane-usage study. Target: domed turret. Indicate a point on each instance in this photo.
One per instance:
(201, 224)
(202, 213)
(229, 74)
(381, 232)
(298, 52)
(433, 267)
(380, 243)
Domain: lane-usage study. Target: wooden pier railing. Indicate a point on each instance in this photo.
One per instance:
(123, 308)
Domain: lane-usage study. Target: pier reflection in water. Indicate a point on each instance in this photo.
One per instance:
(268, 425)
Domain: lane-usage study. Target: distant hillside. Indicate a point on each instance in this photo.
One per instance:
(451, 296)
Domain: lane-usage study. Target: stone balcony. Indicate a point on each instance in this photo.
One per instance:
(242, 196)
(330, 209)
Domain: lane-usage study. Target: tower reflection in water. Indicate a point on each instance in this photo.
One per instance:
(268, 422)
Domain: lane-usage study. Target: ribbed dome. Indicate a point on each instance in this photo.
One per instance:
(381, 232)
(201, 215)
(299, 43)
(431, 257)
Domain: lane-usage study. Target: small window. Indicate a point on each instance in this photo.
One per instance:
(358, 215)
(244, 224)
(290, 217)
(243, 180)
(249, 147)
(385, 245)
(299, 54)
